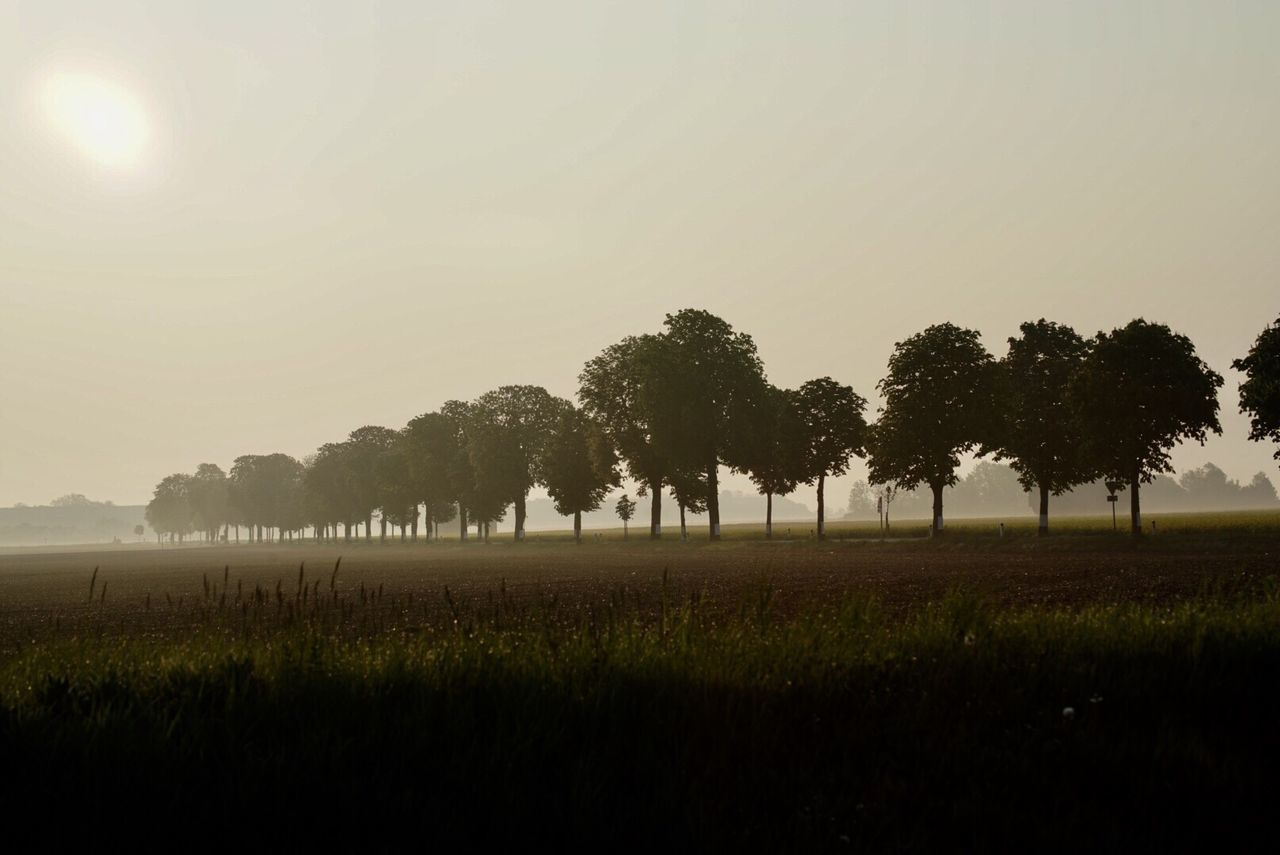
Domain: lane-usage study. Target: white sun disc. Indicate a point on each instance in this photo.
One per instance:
(103, 119)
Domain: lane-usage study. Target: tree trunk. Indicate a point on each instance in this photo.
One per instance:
(368, 529)
(259, 534)
(713, 499)
(684, 529)
(382, 537)
(655, 509)
(1044, 511)
(486, 532)
(402, 532)
(822, 511)
(1135, 506)
(415, 528)
(768, 516)
(462, 521)
(520, 513)
(346, 532)
(936, 526)
(577, 526)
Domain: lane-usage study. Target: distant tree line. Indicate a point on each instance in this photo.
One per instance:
(992, 489)
(669, 409)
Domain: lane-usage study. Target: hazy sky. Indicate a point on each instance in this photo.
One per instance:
(247, 227)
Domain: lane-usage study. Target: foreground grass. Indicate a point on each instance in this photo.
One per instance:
(956, 726)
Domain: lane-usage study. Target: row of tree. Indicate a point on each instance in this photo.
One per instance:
(670, 409)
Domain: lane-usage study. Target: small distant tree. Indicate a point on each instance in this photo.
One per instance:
(1036, 432)
(626, 509)
(1260, 392)
(884, 495)
(579, 467)
(861, 501)
(1141, 390)
(832, 431)
(138, 531)
(937, 406)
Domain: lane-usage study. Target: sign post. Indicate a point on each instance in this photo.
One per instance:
(1112, 486)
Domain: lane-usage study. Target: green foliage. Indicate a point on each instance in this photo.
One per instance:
(955, 724)
(1260, 392)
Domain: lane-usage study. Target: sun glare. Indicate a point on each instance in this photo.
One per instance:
(103, 119)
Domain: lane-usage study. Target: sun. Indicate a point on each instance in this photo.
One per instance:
(103, 119)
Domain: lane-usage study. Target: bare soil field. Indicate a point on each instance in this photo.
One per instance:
(1023, 571)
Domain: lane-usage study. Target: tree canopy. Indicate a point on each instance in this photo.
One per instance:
(1036, 431)
(1141, 390)
(1260, 392)
(938, 398)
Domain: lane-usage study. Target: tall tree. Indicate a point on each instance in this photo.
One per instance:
(364, 446)
(267, 490)
(718, 382)
(1260, 392)
(1141, 390)
(510, 429)
(774, 448)
(832, 430)
(169, 511)
(1036, 432)
(432, 443)
(937, 405)
(624, 390)
(210, 499)
(397, 493)
(579, 466)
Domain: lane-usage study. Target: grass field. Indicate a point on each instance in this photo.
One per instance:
(969, 691)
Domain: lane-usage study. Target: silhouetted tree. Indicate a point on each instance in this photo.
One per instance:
(937, 406)
(774, 452)
(363, 448)
(268, 490)
(626, 509)
(1141, 390)
(712, 395)
(579, 467)
(1260, 392)
(624, 390)
(832, 431)
(169, 511)
(1035, 430)
(210, 499)
(432, 443)
(397, 494)
(508, 431)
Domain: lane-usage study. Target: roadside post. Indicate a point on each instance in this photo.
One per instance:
(1112, 486)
